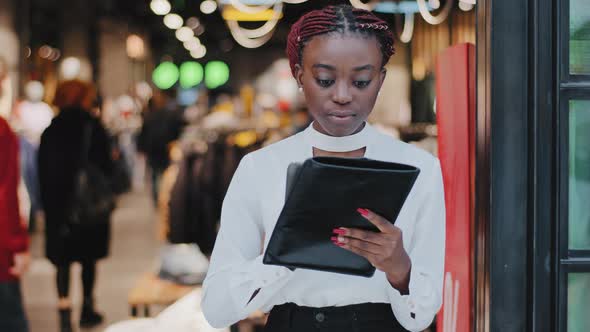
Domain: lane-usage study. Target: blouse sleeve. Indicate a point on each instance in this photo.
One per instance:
(238, 283)
(416, 310)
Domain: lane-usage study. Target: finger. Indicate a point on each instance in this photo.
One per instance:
(372, 248)
(368, 236)
(369, 256)
(381, 223)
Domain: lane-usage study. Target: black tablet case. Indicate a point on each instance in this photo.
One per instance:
(324, 193)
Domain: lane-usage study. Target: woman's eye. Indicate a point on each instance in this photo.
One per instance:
(361, 84)
(325, 83)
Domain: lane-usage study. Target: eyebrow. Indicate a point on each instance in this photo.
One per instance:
(360, 68)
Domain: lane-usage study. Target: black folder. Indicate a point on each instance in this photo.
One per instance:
(324, 193)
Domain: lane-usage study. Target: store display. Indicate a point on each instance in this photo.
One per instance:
(183, 264)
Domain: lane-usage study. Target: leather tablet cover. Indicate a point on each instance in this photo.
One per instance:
(324, 193)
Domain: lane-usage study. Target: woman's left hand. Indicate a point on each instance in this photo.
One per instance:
(385, 250)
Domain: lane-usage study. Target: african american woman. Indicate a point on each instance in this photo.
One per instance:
(337, 56)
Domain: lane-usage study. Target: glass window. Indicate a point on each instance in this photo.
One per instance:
(579, 37)
(579, 174)
(578, 302)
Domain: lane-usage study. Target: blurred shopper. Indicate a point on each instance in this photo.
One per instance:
(162, 125)
(73, 142)
(14, 242)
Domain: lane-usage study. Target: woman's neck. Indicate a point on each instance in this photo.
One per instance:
(349, 154)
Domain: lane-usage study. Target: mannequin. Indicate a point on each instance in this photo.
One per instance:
(33, 115)
(31, 118)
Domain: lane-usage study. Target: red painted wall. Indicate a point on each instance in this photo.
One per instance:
(455, 105)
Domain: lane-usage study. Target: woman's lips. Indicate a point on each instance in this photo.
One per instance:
(341, 117)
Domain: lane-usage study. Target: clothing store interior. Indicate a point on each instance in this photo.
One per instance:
(177, 92)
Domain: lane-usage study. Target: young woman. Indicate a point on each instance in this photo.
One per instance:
(337, 56)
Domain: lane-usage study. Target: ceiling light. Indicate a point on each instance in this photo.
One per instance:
(192, 44)
(199, 52)
(199, 30)
(435, 4)
(465, 6)
(208, 6)
(135, 47)
(185, 33)
(193, 22)
(173, 21)
(160, 7)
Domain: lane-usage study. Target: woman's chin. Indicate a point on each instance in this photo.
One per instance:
(340, 126)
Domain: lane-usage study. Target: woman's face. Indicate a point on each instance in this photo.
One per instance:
(341, 77)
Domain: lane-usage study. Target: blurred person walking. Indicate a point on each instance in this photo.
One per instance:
(14, 241)
(162, 125)
(75, 143)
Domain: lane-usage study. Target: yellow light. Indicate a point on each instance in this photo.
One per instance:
(231, 14)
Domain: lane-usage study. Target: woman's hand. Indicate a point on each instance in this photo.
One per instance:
(385, 250)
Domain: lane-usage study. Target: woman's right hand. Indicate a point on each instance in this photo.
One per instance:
(21, 263)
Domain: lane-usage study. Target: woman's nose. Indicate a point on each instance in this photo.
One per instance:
(342, 93)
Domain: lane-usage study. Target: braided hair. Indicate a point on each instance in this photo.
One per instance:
(341, 19)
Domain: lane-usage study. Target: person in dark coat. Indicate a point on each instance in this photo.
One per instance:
(60, 159)
(162, 124)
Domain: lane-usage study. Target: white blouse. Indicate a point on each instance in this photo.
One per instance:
(252, 206)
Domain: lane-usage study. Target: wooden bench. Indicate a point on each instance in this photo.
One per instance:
(151, 290)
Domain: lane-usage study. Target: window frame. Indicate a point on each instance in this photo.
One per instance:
(570, 87)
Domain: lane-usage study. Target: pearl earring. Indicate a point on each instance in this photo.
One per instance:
(300, 89)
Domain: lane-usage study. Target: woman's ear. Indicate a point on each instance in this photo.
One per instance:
(299, 75)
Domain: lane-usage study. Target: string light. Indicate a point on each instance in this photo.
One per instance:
(251, 9)
(208, 6)
(265, 29)
(366, 6)
(160, 7)
(185, 33)
(465, 6)
(173, 21)
(192, 44)
(408, 30)
(434, 20)
(242, 39)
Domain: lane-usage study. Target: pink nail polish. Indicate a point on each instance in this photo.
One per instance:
(334, 239)
(364, 212)
(339, 231)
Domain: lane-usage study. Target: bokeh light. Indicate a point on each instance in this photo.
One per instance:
(165, 75)
(191, 74)
(216, 74)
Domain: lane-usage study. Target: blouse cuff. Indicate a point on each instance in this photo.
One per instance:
(261, 277)
(266, 275)
(417, 306)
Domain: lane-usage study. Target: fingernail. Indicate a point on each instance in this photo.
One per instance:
(364, 212)
(334, 239)
(339, 231)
